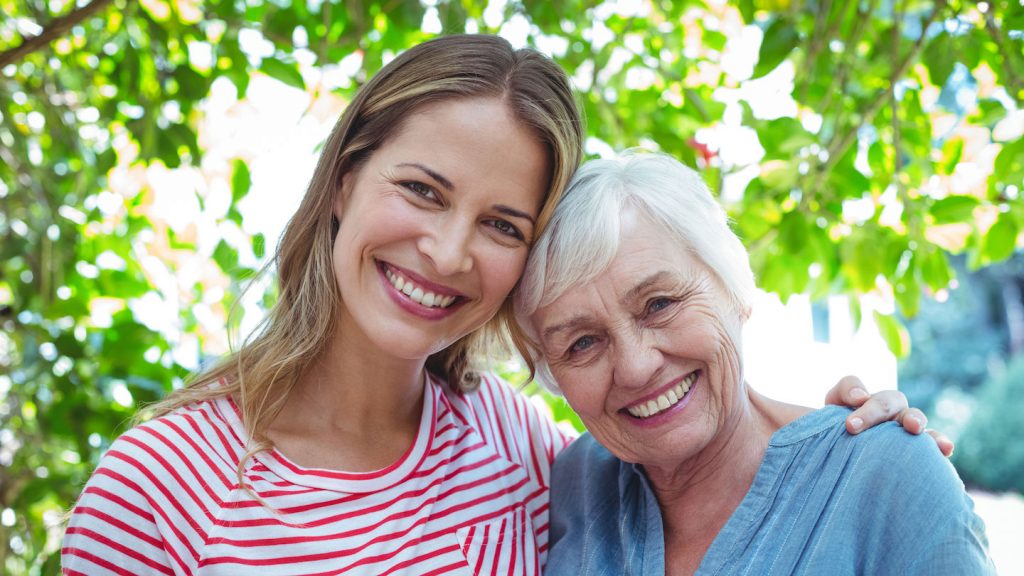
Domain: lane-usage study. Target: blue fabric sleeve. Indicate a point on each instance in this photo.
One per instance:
(922, 518)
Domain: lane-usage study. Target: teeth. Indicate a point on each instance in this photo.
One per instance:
(417, 294)
(665, 401)
(672, 398)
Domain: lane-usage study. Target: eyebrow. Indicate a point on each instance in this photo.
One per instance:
(510, 211)
(570, 324)
(634, 292)
(446, 183)
(646, 283)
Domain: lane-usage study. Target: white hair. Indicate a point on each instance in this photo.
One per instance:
(582, 237)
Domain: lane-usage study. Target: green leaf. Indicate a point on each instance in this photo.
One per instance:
(241, 180)
(939, 57)
(226, 257)
(861, 263)
(259, 244)
(284, 72)
(894, 333)
(989, 112)
(954, 209)
(845, 177)
(779, 40)
(907, 292)
(779, 175)
(1001, 239)
(793, 232)
(714, 40)
(1009, 165)
(856, 313)
(935, 269)
(453, 17)
(952, 151)
(783, 137)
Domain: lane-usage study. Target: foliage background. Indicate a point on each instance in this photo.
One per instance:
(896, 169)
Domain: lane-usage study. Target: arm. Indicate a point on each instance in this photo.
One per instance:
(883, 406)
(112, 529)
(925, 521)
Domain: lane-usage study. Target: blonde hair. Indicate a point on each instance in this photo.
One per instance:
(298, 328)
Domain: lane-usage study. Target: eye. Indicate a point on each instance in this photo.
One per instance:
(507, 228)
(582, 345)
(656, 305)
(420, 189)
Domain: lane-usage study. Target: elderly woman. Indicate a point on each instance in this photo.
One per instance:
(636, 296)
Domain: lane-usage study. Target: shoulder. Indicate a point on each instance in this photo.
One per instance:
(891, 483)
(587, 476)
(193, 443)
(882, 452)
(907, 484)
(519, 428)
(604, 519)
(499, 404)
(586, 453)
(153, 494)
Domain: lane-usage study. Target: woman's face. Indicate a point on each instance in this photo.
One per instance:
(435, 227)
(648, 353)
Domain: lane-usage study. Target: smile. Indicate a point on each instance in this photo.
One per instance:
(665, 401)
(417, 293)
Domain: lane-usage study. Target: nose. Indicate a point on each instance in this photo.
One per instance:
(638, 361)
(448, 246)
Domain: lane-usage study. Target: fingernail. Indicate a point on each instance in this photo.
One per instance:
(858, 393)
(857, 423)
(918, 420)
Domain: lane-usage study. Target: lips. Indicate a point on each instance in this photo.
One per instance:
(418, 291)
(663, 402)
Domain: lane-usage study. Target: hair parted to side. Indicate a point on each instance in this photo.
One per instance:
(262, 372)
(582, 238)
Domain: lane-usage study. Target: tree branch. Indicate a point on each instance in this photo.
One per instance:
(57, 28)
(845, 60)
(838, 146)
(819, 36)
(1012, 81)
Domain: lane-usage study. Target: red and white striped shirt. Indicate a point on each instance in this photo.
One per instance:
(469, 497)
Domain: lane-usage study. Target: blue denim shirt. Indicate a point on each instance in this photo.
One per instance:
(822, 502)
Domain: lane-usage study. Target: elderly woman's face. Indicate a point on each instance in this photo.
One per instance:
(648, 353)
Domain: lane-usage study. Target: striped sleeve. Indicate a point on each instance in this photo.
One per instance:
(149, 505)
(114, 527)
(519, 429)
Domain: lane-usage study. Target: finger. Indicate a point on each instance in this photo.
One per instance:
(913, 420)
(942, 441)
(881, 407)
(849, 391)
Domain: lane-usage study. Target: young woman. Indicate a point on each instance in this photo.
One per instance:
(353, 433)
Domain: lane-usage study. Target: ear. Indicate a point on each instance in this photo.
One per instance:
(342, 194)
(745, 313)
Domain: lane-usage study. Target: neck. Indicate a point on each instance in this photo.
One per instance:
(355, 409)
(698, 496)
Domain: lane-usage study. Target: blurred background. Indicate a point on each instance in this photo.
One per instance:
(871, 154)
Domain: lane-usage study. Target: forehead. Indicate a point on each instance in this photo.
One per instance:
(473, 140)
(646, 248)
(646, 258)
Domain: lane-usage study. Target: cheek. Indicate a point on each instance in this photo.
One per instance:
(584, 394)
(500, 270)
